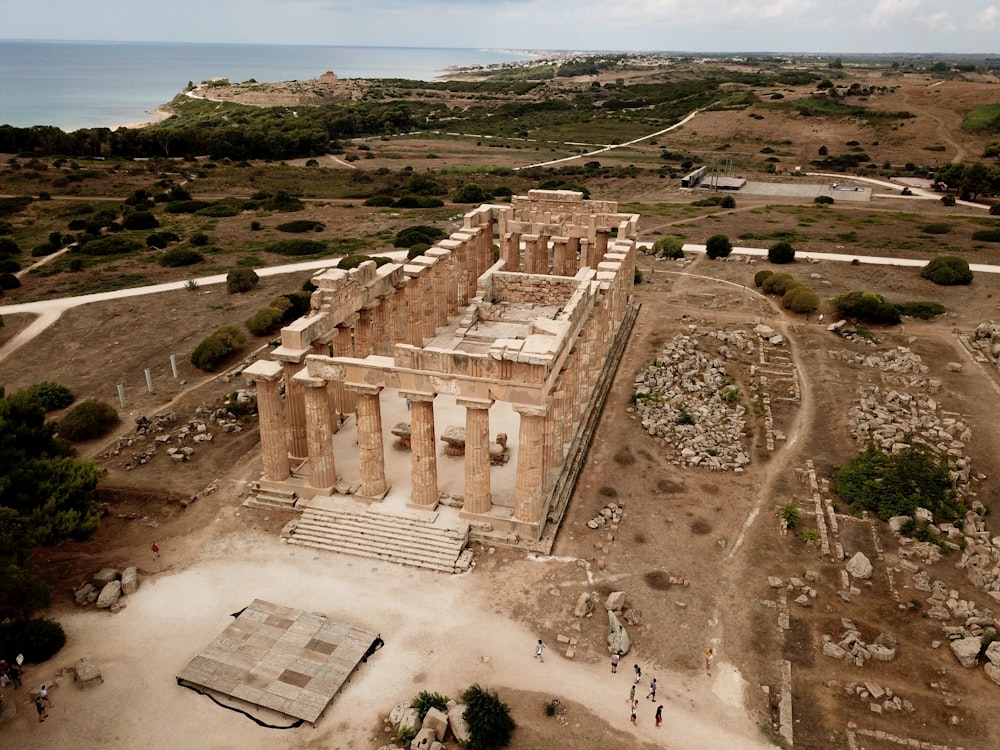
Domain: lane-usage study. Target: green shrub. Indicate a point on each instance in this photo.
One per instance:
(921, 310)
(897, 484)
(938, 227)
(217, 348)
(380, 201)
(781, 252)
(869, 307)
(50, 396)
(255, 226)
(986, 235)
(265, 321)
(110, 246)
(301, 225)
(186, 206)
(241, 280)
(948, 200)
(790, 515)
(718, 246)
(37, 640)
(419, 249)
(87, 420)
(811, 535)
(800, 299)
(9, 265)
(140, 220)
(9, 281)
(471, 193)
(218, 211)
(418, 201)
(823, 200)
(297, 247)
(947, 270)
(198, 239)
(761, 276)
(778, 283)
(9, 247)
(995, 209)
(161, 239)
(180, 256)
(488, 718)
(421, 233)
(404, 736)
(727, 202)
(353, 261)
(671, 246)
(425, 701)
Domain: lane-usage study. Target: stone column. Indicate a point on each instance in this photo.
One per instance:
(371, 452)
(296, 406)
(265, 374)
(530, 252)
(554, 439)
(573, 259)
(415, 304)
(512, 252)
(380, 336)
(423, 450)
(559, 256)
(319, 431)
(343, 346)
(530, 465)
(363, 332)
(478, 497)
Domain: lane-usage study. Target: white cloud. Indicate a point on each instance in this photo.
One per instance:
(888, 10)
(938, 22)
(987, 20)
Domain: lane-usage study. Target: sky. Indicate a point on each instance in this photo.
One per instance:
(822, 26)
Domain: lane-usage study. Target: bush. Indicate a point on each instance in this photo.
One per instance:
(921, 310)
(781, 253)
(161, 239)
(425, 701)
(778, 283)
(760, 277)
(420, 233)
(297, 247)
(896, 484)
(37, 640)
(728, 202)
(823, 200)
(9, 281)
(198, 239)
(9, 247)
(718, 246)
(218, 211)
(947, 270)
(790, 515)
(265, 321)
(995, 209)
(49, 395)
(9, 265)
(671, 247)
(255, 226)
(217, 348)
(140, 220)
(180, 256)
(186, 206)
(488, 718)
(380, 201)
(301, 225)
(866, 306)
(87, 420)
(110, 246)
(800, 299)
(353, 261)
(241, 280)
(987, 235)
(939, 227)
(471, 193)
(948, 200)
(419, 249)
(418, 201)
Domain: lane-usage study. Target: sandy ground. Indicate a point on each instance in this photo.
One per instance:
(440, 633)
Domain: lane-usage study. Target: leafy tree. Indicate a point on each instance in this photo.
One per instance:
(947, 270)
(718, 246)
(761, 276)
(88, 420)
(180, 256)
(217, 348)
(781, 252)
(265, 321)
(421, 233)
(895, 485)
(800, 299)
(488, 718)
(869, 307)
(778, 283)
(241, 280)
(49, 395)
(671, 246)
(471, 193)
(140, 220)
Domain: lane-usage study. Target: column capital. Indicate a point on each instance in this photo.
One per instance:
(303, 378)
(418, 395)
(363, 389)
(475, 403)
(263, 370)
(527, 410)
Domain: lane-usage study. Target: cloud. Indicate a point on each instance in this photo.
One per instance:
(888, 10)
(938, 22)
(987, 20)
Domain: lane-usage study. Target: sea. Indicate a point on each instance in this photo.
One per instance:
(74, 85)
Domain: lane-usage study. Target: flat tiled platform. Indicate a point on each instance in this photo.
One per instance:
(281, 658)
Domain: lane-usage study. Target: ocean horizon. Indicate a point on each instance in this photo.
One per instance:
(75, 84)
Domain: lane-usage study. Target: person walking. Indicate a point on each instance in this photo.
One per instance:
(40, 707)
(659, 715)
(709, 655)
(43, 693)
(539, 649)
(631, 694)
(614, 661)
(635, 710)
(652, 690)
(156, 551)
(638, 673)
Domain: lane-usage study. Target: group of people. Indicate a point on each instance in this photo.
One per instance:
(633, 701)
(10, 673)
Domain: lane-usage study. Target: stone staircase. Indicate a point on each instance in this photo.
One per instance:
(408, 537)
(270, 499)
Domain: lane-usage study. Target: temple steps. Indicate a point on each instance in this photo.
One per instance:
(417, 538)
(271, 499)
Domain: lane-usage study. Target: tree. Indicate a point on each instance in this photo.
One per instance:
(781, 252)
(671, 246)
(800, 299)
(471, 193)
(488, 718)
(948, 270)
(241, 280)
(265, 321)
(88, 420)
(718, 246)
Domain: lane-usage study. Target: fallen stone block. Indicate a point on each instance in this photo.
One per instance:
(130, 580)
(966, 650)
(86, 673)
(456, 720)
(109, 595)
(105, 576)
(436, 720)
(615, 601)
(859, 566)
(584, 605)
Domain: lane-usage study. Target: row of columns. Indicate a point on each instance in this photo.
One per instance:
(568, 254)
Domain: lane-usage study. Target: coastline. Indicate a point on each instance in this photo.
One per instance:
(156, 115)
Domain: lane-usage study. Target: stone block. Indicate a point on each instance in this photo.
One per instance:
(992, 671)
(993, 653)
(423, 740)
(615, 601)
(456, 720)
(436, 720)
(966, 650)
(584, 605)
(86, 673)
(130, 580)
(105, 576)
(832, 650)
(409, 719)
(109, 595)
(859, 566)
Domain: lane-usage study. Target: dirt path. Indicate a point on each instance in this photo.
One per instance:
(942, 131)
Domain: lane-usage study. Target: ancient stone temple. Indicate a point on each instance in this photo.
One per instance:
(518, 343)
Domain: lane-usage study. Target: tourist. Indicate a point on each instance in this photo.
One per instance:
(538, 650)
(709, 654)
(659, 715)
(631, 694)
(652, 690)
(156, 551)
(43, 693)
(638, 673)
(635, 710)
(614, 661)
(40, 707)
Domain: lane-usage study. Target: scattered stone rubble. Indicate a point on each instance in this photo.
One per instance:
(852, 334)
(851, 647)
(985, 343)
(430, 733)
(107, 587)
(682, 399)
(895, 420)
(880, 699)
(609, 514)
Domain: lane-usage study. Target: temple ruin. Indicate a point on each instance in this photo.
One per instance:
(526, 340)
